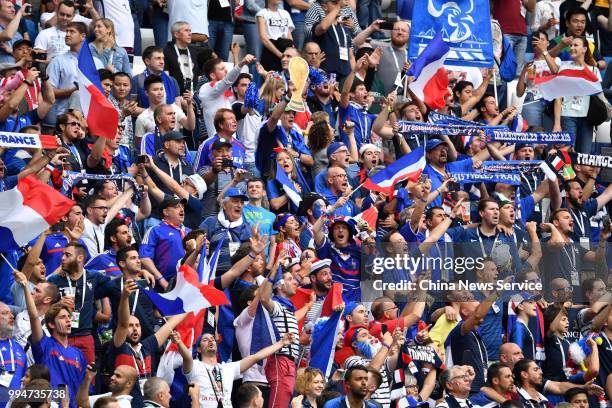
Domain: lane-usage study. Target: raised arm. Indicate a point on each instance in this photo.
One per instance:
(258, 245)
(248, 362)
(123, 319)
(164, 332)
(331, 17)
(37, 332)
(481, 311)
(175, 337)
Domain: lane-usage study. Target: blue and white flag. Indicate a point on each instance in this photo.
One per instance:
(465, 25)
(288, 186)
(324, 337)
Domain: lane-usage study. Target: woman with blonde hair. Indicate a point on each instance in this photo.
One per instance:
(273, 89)
(105, 51)
(309, 384)
(279, 200)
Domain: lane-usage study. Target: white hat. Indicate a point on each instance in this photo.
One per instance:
(367, 146)
(198, 182)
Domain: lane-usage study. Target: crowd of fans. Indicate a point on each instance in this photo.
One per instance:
(203, 131)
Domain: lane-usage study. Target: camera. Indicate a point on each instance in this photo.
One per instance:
(142, 159)
(227, 163)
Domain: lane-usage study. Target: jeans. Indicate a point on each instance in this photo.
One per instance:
(160, 27)
(363, 13)
(298, 34)
(533, 112)
(220, 35)
(582, 130)
(519, 46)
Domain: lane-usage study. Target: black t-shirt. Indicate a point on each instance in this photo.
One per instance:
(557, 354)
(330, 42)
(216, 12)
(560, 262)
(605, 360)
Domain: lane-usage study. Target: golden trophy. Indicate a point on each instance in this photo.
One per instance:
(298, 74)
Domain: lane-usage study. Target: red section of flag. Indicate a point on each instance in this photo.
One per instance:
(50, 204)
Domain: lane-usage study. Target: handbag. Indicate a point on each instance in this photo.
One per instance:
(600, 110)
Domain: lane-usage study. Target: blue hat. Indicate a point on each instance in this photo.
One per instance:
(432, 144)
(236, 193)
(334, 147)
(349, 307)
(525, 297)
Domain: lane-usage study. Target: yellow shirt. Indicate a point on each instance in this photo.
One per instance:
(440, 331)
(602, 3)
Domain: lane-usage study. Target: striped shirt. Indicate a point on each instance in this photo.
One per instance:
(316, 14)
(383, 393)
(285, 321)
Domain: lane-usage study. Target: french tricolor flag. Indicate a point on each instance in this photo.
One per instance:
(569, 82)
(27, 210)
(189, 295)
(102, 117)
(288, 185)
(519, 124)
(325, 332)
(409, 166)
(431, 80)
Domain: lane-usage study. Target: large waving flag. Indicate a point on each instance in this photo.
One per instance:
(102, 117)
(409, 166)
(288, 186)
(569, 82)
(207, 271)
(265, 332)
(325, 332)
(27, 210)
(431, 80)
(189, 295)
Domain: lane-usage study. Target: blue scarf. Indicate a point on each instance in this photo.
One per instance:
(285, 302)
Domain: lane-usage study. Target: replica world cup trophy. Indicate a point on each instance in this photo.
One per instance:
(298, 74)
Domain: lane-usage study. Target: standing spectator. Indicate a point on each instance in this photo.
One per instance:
(193, 12)
(546, 18)
(121, 383)
(226, 126)
(62, 72)
(310, 384)
(66, 363)
(13, 358)
(105, 51)
(249, 122)
(323, 99)
(511, 17)
(50, 18)
(116, 236)
(120, 13)
(520, 333)
(156, 393)
(394, 58)
(528, 379)
(181, 57)
(98, 215)
(221, 27)
(22, 52)
(9, 23)
(216, 93)
(255, 212)
(52, 39)
(249, 396)
(275, 27)
(154, 60)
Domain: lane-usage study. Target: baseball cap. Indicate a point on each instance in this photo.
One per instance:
(19, 43)
(172, 135)
(520, 146)
(351, 333)
(236, 193)
(432, 144)
(524, 297)
(221, 142)
(171, 202)
(334, 147)
(198, 182)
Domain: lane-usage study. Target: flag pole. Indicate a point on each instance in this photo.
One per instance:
(356, 188)
(8, 263)
(495, 89)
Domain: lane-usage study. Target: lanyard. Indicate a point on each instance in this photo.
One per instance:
(83, 294)
(217, 382)
(189, 63)
(135, 298)
(12, 357)
(338, 39)
(579, 221)
(562, 351)
(397, 65)
(95, 234)
(140, 358)
(180, 169)
(572, 258)
(484, 358)
(75, 153)
(484, 253)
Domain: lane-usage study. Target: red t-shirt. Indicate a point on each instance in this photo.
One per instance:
(508, 13)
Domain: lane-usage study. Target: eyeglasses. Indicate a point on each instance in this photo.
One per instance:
(411, 386)
(399, 30)
(77, 124)
(391, 308)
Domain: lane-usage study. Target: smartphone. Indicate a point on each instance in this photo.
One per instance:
(387, 25)
(142, 283)
(453, 186)
(39, 56)
(142, 159)
(423, 178)
(133, 98)
(27, 9)
(188, 84)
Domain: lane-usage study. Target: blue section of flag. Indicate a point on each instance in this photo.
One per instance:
(465, 24)
(434, 52)
(214, 260)
(7, 242)
(88, 67)
(225, 328)
(202, 265)
(391, 170)
(324, 336)
(165, 306)
(264, 331)
(282, 178)
(403, 8)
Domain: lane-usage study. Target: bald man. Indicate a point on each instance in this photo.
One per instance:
(13, 357)
(121, 384)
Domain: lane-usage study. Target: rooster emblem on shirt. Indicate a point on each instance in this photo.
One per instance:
(458, 18)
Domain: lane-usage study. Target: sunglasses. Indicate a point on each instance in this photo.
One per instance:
(77, 124)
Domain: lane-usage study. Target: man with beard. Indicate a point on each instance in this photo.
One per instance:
(524, 235)
(499, 378)
(162, 245)
(56, 241)
(80, 289)
(338, 192)
(116, 236)
(254, 211)
(456, 381)
(393, 60)
(226, 125)
(66, 363)
(564, 257)
(128, 347)
(582, 211)
(12, 356)
(323, 100)
(439, 169)
(227, 226)
(529, 180)
(356, 385)
(320, 283)
(121, 384)
(528, 377)
(370, 352)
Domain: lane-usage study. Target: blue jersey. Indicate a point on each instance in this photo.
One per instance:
(6, 275)
(491, 328)
(66, 364)
(292, 139)
(522, 336)
(363, 123)
(105, 263)
(437, 178)
(13, 361)
(8, 182)
(53, 250)
(345, 267)
(205, 158)
(582, 221)
(163, 245)
(467, 350)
